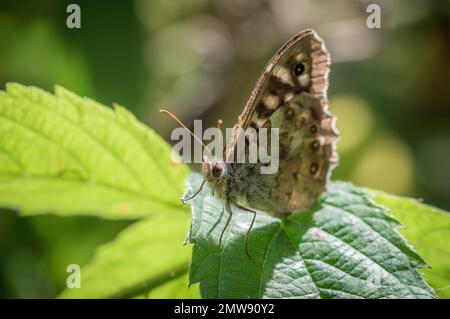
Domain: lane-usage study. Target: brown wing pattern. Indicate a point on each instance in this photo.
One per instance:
(307, 153)
(278, 83)
(291, 95)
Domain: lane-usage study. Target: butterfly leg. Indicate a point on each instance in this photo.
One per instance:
(184, 200)
(216, 223)
(230, 214)
(247, 235)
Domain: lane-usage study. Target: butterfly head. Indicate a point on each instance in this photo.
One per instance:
(213, 169)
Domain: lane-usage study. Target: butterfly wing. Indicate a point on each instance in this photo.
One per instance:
(291, 94)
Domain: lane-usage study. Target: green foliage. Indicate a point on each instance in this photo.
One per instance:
(69, 240)
(428, 230)
(70, 155)
(67, 155)
(175, 289)
(145, 255)
(345, 247)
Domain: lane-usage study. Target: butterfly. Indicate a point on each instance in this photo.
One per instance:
(291, 95)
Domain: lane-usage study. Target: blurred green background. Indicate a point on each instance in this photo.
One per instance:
(200, 59)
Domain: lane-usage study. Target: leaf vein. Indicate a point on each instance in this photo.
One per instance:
(94, 139)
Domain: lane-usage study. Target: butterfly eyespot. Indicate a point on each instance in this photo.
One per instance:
(299, 69)
(313, 168)
(289, 112)
(302, 120)
(313, 129)
(315, 145)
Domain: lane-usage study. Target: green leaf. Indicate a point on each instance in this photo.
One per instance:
(345, 247)
(428, 230)
(175, 289)
(70, 155)
(59, 241)
(147, 255)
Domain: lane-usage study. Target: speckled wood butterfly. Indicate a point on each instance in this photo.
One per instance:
(291, 94)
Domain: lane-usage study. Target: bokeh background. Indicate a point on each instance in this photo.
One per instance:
(389, 88)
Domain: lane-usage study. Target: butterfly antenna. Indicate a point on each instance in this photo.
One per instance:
(219, 127)
(173, 117)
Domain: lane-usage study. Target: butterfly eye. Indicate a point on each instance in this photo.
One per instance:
(216, 171)
(299, 69)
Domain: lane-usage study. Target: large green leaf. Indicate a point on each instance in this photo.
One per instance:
(428, 230)
(70, 155)
(175, 289)
(148, 255)
(60, 245)
(345, 247)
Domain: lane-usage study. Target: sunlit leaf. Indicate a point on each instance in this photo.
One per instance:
(428, 230)
(70, 155)
(176, 289)
(345, 247)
